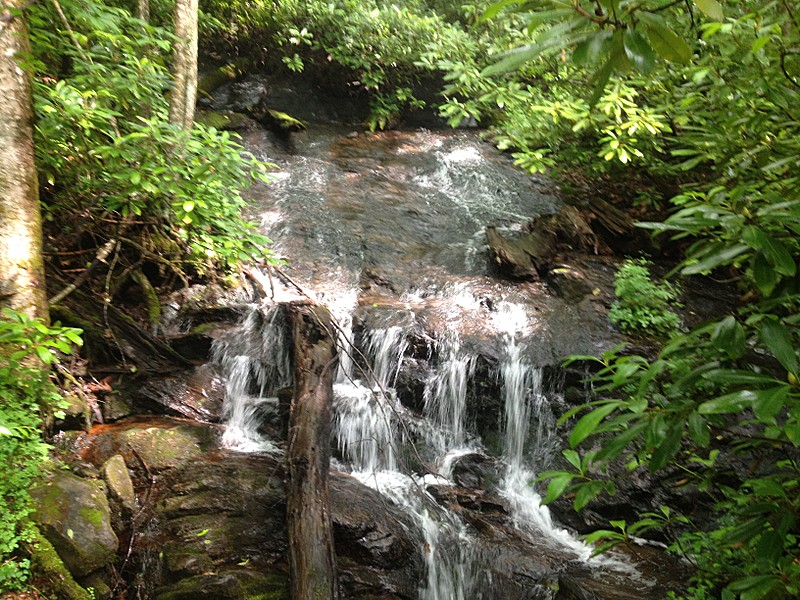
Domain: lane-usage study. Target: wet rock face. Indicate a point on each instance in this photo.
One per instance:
(74, 516)
(197, 394)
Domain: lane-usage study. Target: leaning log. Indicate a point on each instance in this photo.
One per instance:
(312, 560)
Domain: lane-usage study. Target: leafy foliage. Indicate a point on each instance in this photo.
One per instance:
(376, 46)
(108, 155)
(642, 305)
(28, 347)
(725, 394)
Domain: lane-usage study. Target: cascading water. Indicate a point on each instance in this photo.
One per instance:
(446, 395)
(256, 362)
(396, 228)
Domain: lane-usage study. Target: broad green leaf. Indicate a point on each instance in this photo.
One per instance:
(615, 446)
(755, 587)
(593, 49)
(777, 338)
(729, 403)
(739, 377)
(136, 177)
(638, 51)
(668, 447)
(724, 255)
(769, 548)
(766, 277)
(774, 250)
(589, 422)
(792, 430)
(729, 337)
(572, 457)
(745, 531)
(600, 79)
(493, 9)
(757, 46)
(44, 355)
(769, 402)
(710, 8)
(586, 493)
(698, 429)
(663, 40)
(557, 486)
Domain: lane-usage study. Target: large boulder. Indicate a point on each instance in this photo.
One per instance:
(74, 516)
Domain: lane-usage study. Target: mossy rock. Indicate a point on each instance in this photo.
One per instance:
(118, 479)
(240, 584)
(73, 514)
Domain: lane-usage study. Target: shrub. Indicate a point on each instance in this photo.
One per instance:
(642, 305)
(26, 395)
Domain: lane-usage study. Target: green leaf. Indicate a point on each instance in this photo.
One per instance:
(136, 177)
(589, 422)
(663, 40)
(755, 587)
(493, 9)
(698, 429)
(729, 403)
(600, 79)
(586, 493)
(766, 277)
(557, 486)
(668, 448)
(639, 51)
(188, 206)
(774, 250)
(777, 338)
(724, 255)
(593, 49)
(44, 354)
(710, 8)
(769, 402)
(729, 337)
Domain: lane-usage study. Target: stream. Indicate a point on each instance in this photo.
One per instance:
(445, 402)
(448, 382)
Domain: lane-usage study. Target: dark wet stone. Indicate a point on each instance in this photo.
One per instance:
(197, 394)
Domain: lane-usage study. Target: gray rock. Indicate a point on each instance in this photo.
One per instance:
(120, 486)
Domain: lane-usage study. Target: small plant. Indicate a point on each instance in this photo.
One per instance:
(26, 394)
(643, 305)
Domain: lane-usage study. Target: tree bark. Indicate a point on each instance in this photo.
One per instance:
(184, 65)
(143, 10)
(22, 286)
(312, 559)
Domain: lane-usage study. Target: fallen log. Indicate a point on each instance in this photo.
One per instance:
(312, 558)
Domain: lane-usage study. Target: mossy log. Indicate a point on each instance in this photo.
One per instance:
(312, 559)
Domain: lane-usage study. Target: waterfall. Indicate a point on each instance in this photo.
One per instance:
(387, 229)
(256, 362)
(525, 405)
(446, 394)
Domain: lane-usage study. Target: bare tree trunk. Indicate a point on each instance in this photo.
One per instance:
(184, 65)
(143, 10)
(312, 559)
(22, 284)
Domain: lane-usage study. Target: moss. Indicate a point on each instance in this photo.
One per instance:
(214, 119)
(228, 72)
(151, 298)
(48, 566)
(286, 122)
